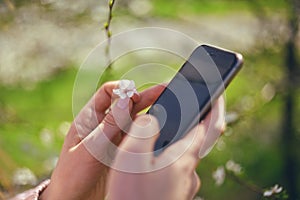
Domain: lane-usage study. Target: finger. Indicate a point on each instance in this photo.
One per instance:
(142, 135)
(95, 110)
(209, 129)
(216, 117)
(118, 117)
(184, 149)
(100, 141)
(214, 125)
(140, 102)
(147, 98)
(104, 97)
(202, 136)
(195, 184)
(135, 153)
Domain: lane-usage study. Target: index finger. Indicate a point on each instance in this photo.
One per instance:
(104, 97)
(197, 140)
(95, 110)
(148, 97)
(201, 138)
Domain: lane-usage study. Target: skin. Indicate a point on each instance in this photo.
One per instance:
(175, 181)
(79, 175)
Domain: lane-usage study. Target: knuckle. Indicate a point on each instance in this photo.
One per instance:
(109, 119)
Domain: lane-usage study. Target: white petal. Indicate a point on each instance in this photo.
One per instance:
(122, 95)
(130, 93)
(219, 175)
(234, 167)
(117, 91)
(278, 189)
(124, 84)
(131, 85)
(268, 193)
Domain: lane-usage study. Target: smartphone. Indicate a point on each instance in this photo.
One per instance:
(191, 93)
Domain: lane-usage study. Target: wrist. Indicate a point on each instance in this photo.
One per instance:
(33, 194)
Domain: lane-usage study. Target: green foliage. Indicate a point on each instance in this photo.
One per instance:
(178, 8)
(45, 106)
(253, 140)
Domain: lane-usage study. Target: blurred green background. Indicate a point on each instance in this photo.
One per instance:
(43, 43)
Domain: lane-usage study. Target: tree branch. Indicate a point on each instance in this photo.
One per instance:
(107, 25)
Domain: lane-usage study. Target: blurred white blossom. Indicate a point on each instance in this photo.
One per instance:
(219, 175)
(247, 103)
(24, 176)
(273, 190)
(140, 7)
(50, 163)
(63, 128)
(268, 92)
(46, 137)
(221, 145)
(233, 167)
(231, 117)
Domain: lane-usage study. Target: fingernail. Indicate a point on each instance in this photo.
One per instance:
(123, 103)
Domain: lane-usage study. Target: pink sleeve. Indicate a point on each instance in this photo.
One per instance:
(34, 193)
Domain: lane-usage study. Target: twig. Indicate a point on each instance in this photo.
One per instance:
(108, 32)
(248, 185)
(10, 5)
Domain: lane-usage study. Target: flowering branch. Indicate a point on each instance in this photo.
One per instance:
(242, 182)
(232, 170)
(107, 24)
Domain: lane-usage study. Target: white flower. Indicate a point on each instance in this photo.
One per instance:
(219, 175)
(24, 176)
(273, 190)
(234, 167)
(198, 198)
(126, 89)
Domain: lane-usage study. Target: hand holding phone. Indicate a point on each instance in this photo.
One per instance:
(190, 94)
(171, 175)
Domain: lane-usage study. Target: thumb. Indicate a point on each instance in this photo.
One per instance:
(142, 135)
(118, 117)
(135, 152)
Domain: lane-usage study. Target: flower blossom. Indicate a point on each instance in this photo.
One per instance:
(219, 175)
(126, 89)
(234, 167)
(273, 190)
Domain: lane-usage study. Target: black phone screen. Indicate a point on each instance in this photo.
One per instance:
(181, 104)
